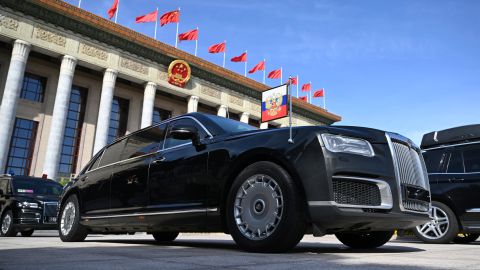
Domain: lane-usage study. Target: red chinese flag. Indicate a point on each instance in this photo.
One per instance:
(150, 17)
(293, 81)
(111, 12)
(306, 87)
(275, 74)
(170, 17)
(190, 35)
(303, 99)
(240, 58)
(257, 67)
(217, 48)
(319, 93)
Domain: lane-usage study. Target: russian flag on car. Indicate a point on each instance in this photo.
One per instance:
(274, 103)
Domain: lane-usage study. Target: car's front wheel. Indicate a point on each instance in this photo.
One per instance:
(442, 229)
(364, 240)
(265, 211)
(7, 229)
(69, 226)
(465, 238)
(165, 236)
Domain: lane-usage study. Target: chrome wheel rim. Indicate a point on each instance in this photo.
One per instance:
(258, 207)
(68, 218)
(6, 222)
(437, 227)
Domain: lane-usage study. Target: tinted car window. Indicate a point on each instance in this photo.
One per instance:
(231, 126)
(435, 160)
(171, 142)
(455, 165)
(145, 142)
(38, 187)
(112, 153)
(471, 158)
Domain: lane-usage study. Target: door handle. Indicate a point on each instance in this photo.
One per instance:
(158, 161)
(456, 180)
(84, 178)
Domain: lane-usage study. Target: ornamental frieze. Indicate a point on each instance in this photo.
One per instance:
(255, 107)
(8, 22)
(236, 100)
(93, 52)
(210, 92)
(134, 66)
(163, 76)
(50, 37)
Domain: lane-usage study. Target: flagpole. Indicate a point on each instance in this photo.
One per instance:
(289, 88)
(116, 13)
(324, 97)
(176, 36)
(310, 93)
(245, 73)
(281, 76)
(156, 24)
(224, 51)
(196, 43)
(297, 86)
(264, 68)
(79, 3)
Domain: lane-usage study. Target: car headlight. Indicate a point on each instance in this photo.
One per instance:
(337, 143)
(27, 205)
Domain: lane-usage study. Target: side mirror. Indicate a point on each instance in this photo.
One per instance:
(185, 133)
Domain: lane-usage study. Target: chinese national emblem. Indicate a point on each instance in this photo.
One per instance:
(179, 73)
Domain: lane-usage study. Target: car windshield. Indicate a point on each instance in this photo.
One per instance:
(36, 187)
(231, 126)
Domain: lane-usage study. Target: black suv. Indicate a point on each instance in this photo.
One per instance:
(452, 157)
(27, 204)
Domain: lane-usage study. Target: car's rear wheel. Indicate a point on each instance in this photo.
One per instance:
(7, 229)
(69, 226)
(265, 211)
(27, 233)
(465, 238)
(443, 227)
(364, 240)
(165, 236)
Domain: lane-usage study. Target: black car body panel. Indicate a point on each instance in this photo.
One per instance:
(184, 187)
(40, 197)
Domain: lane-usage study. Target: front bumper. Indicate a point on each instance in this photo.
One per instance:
(32, 219)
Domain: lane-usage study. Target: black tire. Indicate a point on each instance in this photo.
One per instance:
(465, 238)
(27, 233)
(364, 240)
(77, 232)
(7, 230)
(449, 231)
(165, 236)
(290, 226)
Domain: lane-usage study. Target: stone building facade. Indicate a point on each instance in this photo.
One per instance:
(71, 82)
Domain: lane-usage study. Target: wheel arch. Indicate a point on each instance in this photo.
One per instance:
(449, 202)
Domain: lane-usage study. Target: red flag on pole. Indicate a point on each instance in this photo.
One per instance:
(217, 48)
(306, 87)
(293, 81)
(170, 17)
(240, 58)
(150, 17)
(275, 74)
(319, 93)
(303, 99)
(113, 9)
(257, 67)
(189, 35)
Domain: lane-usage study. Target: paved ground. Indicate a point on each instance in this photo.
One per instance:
(44, 250)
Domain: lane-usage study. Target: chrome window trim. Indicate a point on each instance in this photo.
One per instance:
(451, 145)
(473, 210)
(454, 173)
(384, 188)
(161, 150)
(173, 212)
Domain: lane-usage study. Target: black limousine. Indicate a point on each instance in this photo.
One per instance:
(204, 173)
(27, 204)
(453, 163)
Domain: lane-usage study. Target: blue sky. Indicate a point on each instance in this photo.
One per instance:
(409, 66)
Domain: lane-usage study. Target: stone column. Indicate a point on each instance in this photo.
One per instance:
(192, 104)
(59, 117)
(105, 109)
(264, 125)
(11, 93)
(148, 103)
(244, 117)
(222, 110)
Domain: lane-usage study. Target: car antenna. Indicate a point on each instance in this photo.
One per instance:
(289, 88)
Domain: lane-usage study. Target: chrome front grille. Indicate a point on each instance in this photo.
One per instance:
(410, 172)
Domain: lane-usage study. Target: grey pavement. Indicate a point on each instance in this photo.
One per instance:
(44, 250)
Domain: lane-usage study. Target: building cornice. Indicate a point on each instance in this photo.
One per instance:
(87, 24)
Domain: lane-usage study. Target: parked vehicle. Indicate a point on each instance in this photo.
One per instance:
(204, 173)
(453, 163)
(27, 204)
